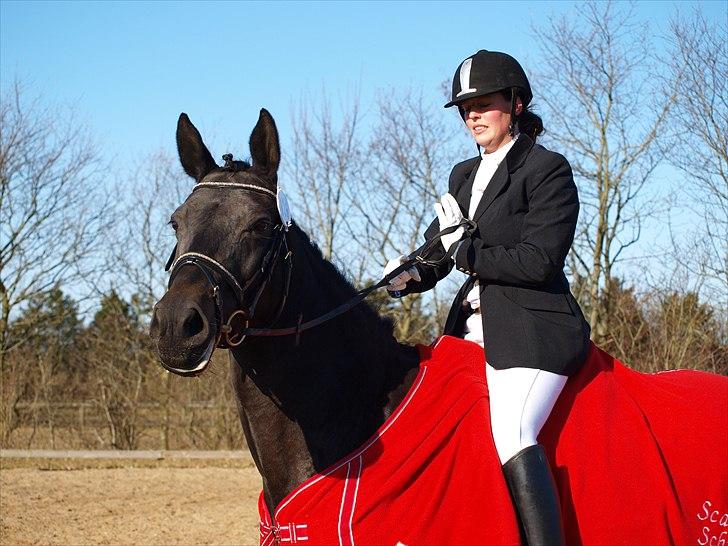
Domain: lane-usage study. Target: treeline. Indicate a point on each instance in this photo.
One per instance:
(99, 385)
(83, 248)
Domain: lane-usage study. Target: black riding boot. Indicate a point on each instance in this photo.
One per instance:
(535, 497)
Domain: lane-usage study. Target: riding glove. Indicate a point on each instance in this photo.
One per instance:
(398, 283)
(449, 214)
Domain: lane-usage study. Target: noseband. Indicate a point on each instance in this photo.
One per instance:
(232, 332)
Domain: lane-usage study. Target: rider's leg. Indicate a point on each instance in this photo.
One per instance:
(521, 400)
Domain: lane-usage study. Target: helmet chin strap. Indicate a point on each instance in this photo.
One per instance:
(512, 125)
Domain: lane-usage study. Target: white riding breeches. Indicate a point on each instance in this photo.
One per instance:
(474, 329)
(521, 400)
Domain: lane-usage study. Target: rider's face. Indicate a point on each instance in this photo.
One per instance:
(488, 118)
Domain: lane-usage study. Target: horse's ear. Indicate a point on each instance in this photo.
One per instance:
(265, 149)
(194, 155)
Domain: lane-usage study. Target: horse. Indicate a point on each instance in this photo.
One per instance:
(330, 409)
(304, 402)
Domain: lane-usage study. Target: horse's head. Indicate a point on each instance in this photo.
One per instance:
(230, 236)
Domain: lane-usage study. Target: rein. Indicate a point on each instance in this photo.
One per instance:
(362, 294)
(228, 335)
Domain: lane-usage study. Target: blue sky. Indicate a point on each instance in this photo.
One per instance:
(129, 68)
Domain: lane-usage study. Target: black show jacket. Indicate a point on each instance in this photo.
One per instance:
(526, 221)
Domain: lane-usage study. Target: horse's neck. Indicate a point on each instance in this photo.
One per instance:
(305, 406)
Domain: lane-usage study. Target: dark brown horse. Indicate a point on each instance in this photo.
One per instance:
(304, 400)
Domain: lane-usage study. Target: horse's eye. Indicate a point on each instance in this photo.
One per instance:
(263, 226)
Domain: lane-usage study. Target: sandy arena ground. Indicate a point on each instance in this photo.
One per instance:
(210, 505)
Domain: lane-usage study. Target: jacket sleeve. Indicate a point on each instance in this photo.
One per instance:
(546, 233)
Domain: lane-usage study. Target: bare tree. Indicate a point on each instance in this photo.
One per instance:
(326, 157)
(138, 247)
(699, 67)
(367, 201)
(628, 331)
(187, 413)
(665, 329)
(141, 241)
(604, 111)
(51, 212)
(685, 333)
(411, 153)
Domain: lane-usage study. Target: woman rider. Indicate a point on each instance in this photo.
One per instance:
(516, 301)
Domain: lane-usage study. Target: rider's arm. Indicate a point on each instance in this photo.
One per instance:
(546, 234)
(431, 274)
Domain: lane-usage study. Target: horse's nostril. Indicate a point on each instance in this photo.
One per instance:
(193, 323)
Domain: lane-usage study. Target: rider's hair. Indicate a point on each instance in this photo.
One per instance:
(529, 122)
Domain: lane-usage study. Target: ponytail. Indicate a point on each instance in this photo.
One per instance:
(530, 123)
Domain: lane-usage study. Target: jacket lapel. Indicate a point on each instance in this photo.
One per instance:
(513, 160)
(463, 194)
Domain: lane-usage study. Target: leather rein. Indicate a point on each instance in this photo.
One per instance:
(236, 328)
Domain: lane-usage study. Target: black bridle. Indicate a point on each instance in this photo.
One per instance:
(229, 335)
(232, 331)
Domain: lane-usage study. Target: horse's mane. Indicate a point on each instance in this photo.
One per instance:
(344, 283)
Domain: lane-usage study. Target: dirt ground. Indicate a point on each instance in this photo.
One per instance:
(57, 504)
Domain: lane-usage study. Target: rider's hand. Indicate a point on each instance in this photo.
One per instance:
(449, 214)
(400, 281)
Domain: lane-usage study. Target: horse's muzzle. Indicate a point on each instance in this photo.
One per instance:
(182, 335)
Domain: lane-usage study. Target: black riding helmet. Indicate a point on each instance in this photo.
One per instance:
(487, 72)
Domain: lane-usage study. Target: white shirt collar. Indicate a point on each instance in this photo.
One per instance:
(498, 156)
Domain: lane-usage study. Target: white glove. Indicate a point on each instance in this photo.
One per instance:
(449, 214)
(400, 281)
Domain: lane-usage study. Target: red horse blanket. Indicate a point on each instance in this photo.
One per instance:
(638, 458)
